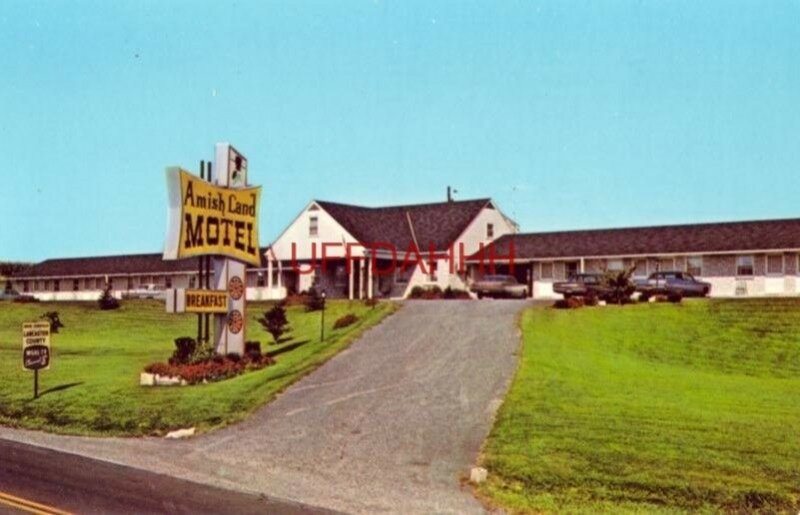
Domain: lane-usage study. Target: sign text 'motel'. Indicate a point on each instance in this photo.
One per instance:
(210, 220)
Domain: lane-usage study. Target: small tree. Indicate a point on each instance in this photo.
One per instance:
(107, 300)
(620, 285)
(275, 322)
(55, 321)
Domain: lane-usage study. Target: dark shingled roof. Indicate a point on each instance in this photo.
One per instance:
(439, 224)
(666, 239)
(111, 265)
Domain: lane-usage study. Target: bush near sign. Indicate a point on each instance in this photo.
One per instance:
(36, 345)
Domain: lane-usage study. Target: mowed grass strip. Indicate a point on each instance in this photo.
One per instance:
(92, 387)
(650, 408)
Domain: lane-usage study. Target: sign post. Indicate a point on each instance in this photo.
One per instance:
(36, 350)
(218, 218)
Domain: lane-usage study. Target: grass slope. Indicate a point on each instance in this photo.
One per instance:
(694, 407)
(92, 385)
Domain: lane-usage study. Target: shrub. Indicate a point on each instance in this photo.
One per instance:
(252, 349)
(184, 349)
(427, 293)
(570, 303)
(454, 293)
(107, 300)
(590, 300)
(371, 302)
(274, 321)
(55, 321)
(314, 301)
(203, 351)
(620, 285)
(346, 320)
(416, 292)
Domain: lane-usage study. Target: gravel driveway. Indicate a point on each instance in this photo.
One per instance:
(388, 425)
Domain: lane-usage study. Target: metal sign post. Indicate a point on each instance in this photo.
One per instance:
(36, 350)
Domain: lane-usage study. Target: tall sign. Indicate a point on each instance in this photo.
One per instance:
(220, 219)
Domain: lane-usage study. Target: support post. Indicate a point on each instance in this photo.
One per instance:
(350, 277)
(36, 383)
(360, 281)
(369, 278)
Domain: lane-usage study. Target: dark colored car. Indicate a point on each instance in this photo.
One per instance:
(499, 286)
(672, 282)
(581, 285)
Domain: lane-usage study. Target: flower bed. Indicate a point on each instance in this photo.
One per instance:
(214, 369)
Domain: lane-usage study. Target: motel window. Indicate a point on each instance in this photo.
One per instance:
(57, 285)
(25, 286)
(571, 269)
(192, 281)
(313, 226)
(130, 283)
(88, 283)
(110, 283)
(744, 265)
(489, 231)
(640, 269)
(547, 270)
(47, 285)
(666, 264)
(694, 265)
(76, 285)
(168, 281)
(260, 282)
(615, 265)
(775, 264)
(144, 280)
(98, 284)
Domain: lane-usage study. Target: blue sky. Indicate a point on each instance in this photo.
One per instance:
(568, 114)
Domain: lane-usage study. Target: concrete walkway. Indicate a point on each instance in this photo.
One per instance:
(388, 425)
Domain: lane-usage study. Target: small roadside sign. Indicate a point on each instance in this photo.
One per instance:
(36, 350)
(36, 345)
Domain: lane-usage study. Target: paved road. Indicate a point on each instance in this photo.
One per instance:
(389, 425)
(59, 482)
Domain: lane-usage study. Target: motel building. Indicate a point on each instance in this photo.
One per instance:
(361, 252)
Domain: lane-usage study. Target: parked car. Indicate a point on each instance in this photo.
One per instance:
(149, 291)
(581, 285)
(672, 282)
(499, 286)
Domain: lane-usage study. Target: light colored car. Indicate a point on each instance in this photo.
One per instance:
(499, 286)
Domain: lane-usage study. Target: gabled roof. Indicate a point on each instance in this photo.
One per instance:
(666, 239)
(110, 265)
(437, 224)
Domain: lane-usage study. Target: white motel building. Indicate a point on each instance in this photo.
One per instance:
(383, 252)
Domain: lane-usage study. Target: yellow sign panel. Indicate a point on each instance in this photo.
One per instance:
(206, 301)
(210, 220)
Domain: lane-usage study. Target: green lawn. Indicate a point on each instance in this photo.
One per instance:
(92, 385)
(652, 408)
